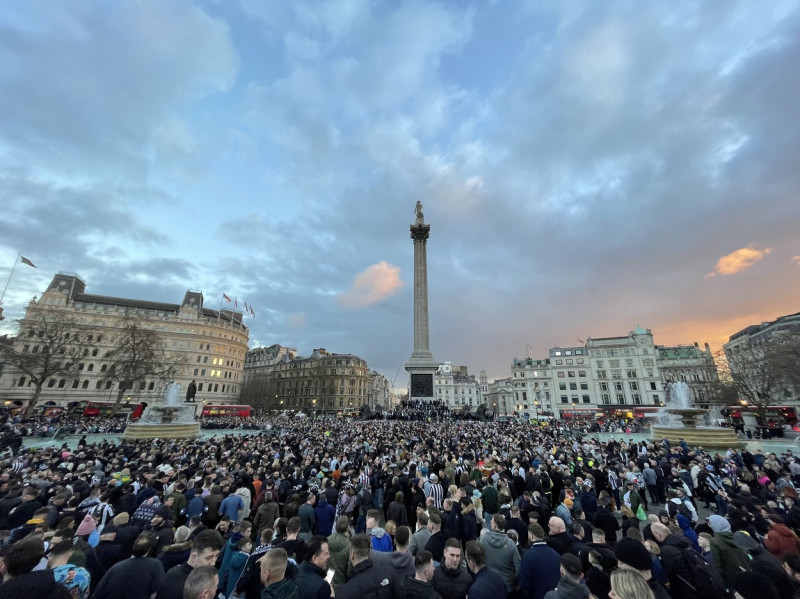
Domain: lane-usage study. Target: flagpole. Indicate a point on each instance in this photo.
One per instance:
(9, 279)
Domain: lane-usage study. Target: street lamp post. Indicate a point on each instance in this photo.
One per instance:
(494, 411)
(536, 409)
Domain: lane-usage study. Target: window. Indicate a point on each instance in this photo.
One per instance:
(205, 359)
(85, 384)
(652, 386)
(617, 386)
(603, 386)
(564, 399)
(104, 367)
(562, 386)
(51, 383)
(561, 374)
(200, 387)
(151, 386)
(584, 386)
(585, 399)
(613, 363)
(637, 399)
(558, 353)
(634, 386)
(568, 352)
(631, 374)
(571, 374)
(573, 386)
(601, 374)
(559, 362)
(605, 398)
(99, 385)
(90, 368)
(61, 383)
(621, 398)
(616, 374)
(582, 374)
(75, 383)
(569, 361)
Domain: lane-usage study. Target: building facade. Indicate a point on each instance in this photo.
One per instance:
(532, 386)
(323, 383)
(691, 365)
(209, 346)
(258, 385)
(771, 369)
(625, 373)
(500, 398)
(456, 388)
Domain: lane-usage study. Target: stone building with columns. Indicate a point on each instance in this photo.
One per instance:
(208, 345)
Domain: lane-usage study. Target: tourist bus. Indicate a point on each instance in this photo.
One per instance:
(132, 411)
(775, 416)
(226, 411)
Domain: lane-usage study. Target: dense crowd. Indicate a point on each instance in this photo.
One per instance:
(389, 509)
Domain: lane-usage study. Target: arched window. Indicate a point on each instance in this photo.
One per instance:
(103, 367)
(151, 387)
(21, 381)
(75, 383)
(94, 351)
(142, 385)
(85, 384)
(90, 368)
(99, 385)
(108, 384)
(61, 383)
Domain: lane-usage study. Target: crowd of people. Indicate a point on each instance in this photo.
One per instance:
(395, 508)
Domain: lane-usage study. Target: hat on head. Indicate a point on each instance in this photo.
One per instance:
(164, 512)
(476, 494)
(719, 524)
(633, 553)
(86, 527)
(121, 519)
(752, 585)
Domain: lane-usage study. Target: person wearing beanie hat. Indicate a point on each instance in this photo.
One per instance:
(633, 555)
(718, 524)
(121, 519)
(86, 527)
(751, 585)
(726, 555)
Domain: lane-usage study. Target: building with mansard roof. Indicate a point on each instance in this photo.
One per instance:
(209, 346)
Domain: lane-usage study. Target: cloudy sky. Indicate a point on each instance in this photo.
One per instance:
(586, 167)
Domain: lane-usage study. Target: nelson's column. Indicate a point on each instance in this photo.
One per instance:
(421, 366)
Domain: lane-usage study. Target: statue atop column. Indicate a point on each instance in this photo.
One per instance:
(418, 212)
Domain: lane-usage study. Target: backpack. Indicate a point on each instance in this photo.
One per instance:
(680, 509)
(707, 580)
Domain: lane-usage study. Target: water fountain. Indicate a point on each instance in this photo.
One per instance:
(678, 420)
(172, 419)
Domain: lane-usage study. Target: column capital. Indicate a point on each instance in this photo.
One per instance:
(420, 232)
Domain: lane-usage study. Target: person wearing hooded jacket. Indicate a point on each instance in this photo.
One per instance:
(381, 541)
(673, 547)
(501, 552)
(325, 514)
(726, 555)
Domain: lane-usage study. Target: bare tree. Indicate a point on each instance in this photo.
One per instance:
(259, 391)
(48, 343)
(140, 354)
(762, 373)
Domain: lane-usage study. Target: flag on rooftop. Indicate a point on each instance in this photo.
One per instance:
(226, 298)
(24, 260)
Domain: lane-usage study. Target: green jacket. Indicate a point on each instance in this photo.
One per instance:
(728, 557)
(339, 561)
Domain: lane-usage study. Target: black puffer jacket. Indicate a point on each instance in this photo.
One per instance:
(680, 575)
(367, 581)
(451, 584)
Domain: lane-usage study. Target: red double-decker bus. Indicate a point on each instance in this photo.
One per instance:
(226, 411)
(133, 411)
